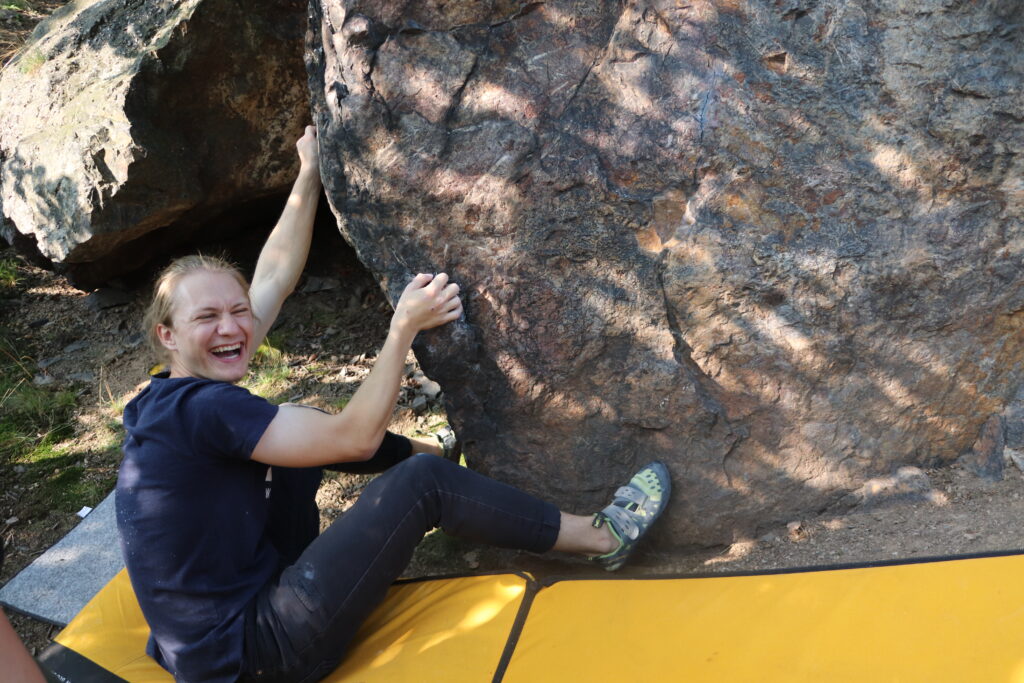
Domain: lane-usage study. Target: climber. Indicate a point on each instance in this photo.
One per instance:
(215, 496)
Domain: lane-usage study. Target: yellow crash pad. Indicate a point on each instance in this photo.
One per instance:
(446, 629)
(959, 619)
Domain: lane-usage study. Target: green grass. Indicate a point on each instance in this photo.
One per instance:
(278, 339)
(31, 62)
(116, 404)
(8, 274)
(318, 369)
(36, 458)
(55, 479)
(269, 374)
(16, 5)
(33, 415)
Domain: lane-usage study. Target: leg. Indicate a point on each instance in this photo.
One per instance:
(294, 518)
(301, 626)
(430, 446)
(578, 535)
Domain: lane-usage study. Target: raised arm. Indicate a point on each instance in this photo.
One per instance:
(284, 255)
(298, 437)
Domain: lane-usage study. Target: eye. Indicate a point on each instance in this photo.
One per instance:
(241, 310)
(205, 316)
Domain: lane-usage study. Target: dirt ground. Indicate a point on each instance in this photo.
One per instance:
(328, 335)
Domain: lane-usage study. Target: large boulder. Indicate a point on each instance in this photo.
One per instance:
(128, 125)
(775, 244)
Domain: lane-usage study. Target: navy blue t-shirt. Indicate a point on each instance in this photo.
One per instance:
(192, 511)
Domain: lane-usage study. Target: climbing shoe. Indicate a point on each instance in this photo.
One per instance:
(451, 447)
(632, 511)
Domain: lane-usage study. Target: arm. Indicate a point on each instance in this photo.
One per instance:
(17, 662)
(297, 437)
(284, 255)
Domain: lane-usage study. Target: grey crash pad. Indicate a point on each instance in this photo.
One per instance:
(56, 586)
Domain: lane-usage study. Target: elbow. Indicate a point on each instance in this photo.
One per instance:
(354, 452)
(368, 448)
(359, 450)
(364, 454)
(357, 443)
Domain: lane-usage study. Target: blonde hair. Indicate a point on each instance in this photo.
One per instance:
(161, 308)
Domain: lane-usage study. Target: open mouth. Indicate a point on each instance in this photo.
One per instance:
(227, 351)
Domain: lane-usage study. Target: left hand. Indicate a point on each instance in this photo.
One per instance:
(428, 301)
(309, 150)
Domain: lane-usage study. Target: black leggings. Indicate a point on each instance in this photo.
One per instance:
(299, 627)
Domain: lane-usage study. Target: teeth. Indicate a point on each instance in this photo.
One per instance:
(226, 347)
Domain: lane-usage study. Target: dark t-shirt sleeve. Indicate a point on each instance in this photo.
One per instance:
(231, 420)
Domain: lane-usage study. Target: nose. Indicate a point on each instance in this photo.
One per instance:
(227, 325)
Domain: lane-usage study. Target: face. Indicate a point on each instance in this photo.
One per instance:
(211, 329)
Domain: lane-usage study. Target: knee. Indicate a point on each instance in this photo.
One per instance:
(417, 481)
(422, 467)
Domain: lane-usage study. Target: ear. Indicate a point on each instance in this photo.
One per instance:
(166, 336)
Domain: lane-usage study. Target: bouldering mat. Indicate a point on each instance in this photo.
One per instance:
(949, 619)
(448, 629)
(956, 620)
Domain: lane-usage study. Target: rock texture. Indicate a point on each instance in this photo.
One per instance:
(124, 117)
(987, 456)
(777, 245)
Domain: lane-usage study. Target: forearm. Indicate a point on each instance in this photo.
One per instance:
(368, 413)
(304, 438)
(284, 255)
(427, 302)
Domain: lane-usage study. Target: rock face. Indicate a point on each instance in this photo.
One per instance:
(124, 117)
(777, 245)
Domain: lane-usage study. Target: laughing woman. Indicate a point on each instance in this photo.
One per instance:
(215, 496)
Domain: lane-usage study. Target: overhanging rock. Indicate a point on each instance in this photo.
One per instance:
(128, 125)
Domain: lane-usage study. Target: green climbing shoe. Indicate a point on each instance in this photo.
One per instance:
(631, 513)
